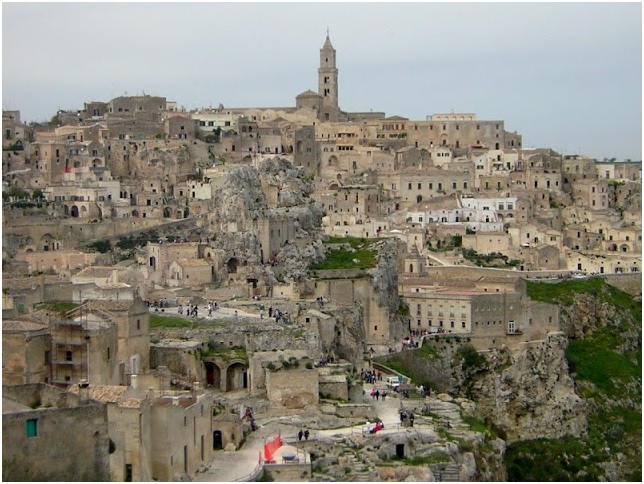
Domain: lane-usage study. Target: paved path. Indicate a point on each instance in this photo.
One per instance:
(231, 466)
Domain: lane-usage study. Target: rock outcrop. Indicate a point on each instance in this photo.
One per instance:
(529, 394)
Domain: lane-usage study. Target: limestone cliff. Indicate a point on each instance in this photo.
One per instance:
(528, 394)
(384, 279)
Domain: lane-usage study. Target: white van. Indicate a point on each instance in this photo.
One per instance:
(393, 382)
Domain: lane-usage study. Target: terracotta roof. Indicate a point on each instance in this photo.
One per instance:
(96, 272)
(109, 304)
(13, 326)
(22, 283)
(9, 406)
(102, 393)
(308, 93)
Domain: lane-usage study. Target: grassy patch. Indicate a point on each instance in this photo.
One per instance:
(608, 380)
(414, 364)
(157, 321)
(549, 461)
(226, 353)
(60, 307)
(564, 292)
(360, 258)
(433, 458)
(477, 425)
(593, 358)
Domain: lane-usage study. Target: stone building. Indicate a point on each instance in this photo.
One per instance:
(157, 434)
(37, 420)
(492, 306)
(190, 273)
(181, 435)
(84, 348)
(25, 352)
(132, 320)
(328, 83)
(293, 387)
(133, 105)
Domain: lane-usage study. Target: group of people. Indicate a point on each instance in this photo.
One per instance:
(304, 434)
(407, 418)
(191, 310)
(376, 394)
(370, 376)
(408, 343)
(278, 315)
(157, 303)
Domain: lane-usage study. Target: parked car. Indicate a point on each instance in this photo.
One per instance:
(393, 382)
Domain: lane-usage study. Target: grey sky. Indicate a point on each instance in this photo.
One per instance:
(566, 76)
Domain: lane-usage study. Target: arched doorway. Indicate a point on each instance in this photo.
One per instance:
(236, 377)
(213, 374)
(217, 440)
(232, 265)
(419, 198)
(74, 211)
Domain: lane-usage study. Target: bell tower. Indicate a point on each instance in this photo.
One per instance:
(328, 82)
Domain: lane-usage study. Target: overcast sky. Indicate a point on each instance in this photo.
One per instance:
(565, 76)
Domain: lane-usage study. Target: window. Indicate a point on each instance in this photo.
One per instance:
(32, 427)
(68, 356)
(138, 324)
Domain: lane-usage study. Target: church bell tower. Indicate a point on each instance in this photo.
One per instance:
(328, 82)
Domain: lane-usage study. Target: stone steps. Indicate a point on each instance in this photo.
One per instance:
(446, 473)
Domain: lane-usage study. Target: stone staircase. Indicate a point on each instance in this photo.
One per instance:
(446, 472)
(356, 474)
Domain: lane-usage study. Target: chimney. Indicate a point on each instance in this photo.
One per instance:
(175, 401)
(134, 383)
(83, 392)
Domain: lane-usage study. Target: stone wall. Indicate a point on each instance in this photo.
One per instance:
(83, 457)
(289, 472)
(334, 386)
(630, 283)
(293, 387)
(258, 377)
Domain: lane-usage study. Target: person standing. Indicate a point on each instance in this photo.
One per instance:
(300, 434)
(261, 314)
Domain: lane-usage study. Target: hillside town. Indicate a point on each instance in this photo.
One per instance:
(213, 295)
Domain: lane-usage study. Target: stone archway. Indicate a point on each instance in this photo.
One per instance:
(213, 374)
(236, 376)
(47, 243)
(74, 211)
(232, 265)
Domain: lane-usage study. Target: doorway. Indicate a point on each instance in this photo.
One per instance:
(217, 442)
